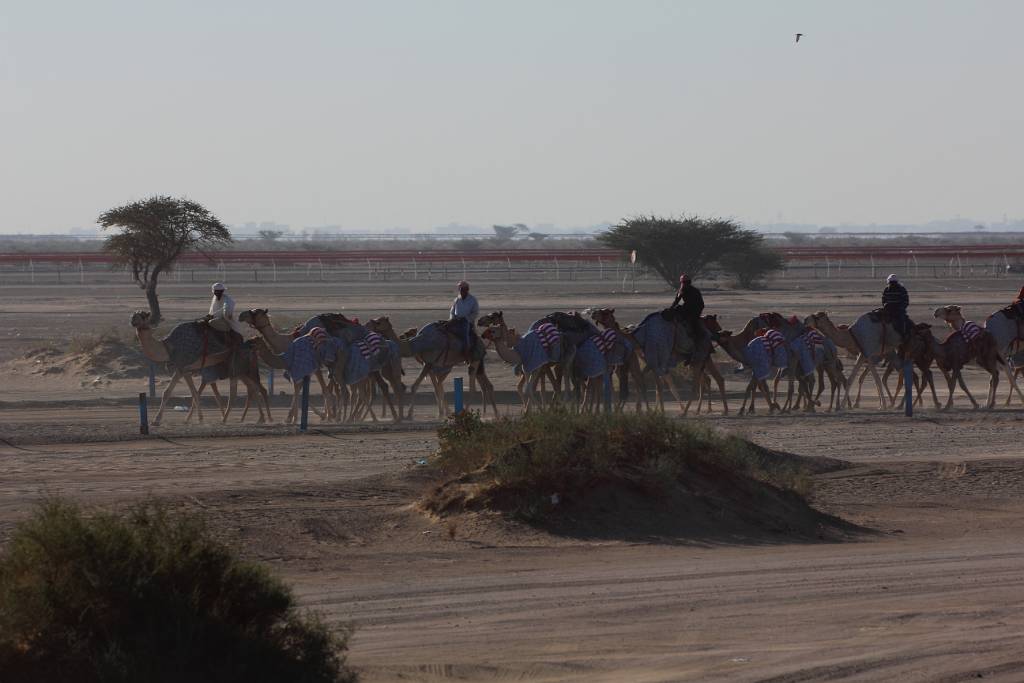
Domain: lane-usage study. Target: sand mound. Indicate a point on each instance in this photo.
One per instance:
(630, 478)
(104, 359)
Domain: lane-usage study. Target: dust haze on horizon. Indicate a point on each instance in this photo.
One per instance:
(412, 114)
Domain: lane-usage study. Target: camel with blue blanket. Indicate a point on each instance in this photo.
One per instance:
(438, 351)
(663, 341)
(187, 349)
(762, 351)
(533, 354)
(817, 354)
(303, 357)
(279, 343)
(243, 364)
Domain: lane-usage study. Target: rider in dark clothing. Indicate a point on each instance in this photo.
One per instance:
(894, 302)
(1019, 302)
(692, 306)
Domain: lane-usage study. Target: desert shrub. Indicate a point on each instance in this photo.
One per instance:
(525, 459)
(149, 595)
(89, 342)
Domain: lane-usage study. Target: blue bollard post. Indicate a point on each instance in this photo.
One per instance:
(270, 381)
(607, 392)
(304, 419)
(143, 414)
(458, 395)
(152, 380)
(908, 383)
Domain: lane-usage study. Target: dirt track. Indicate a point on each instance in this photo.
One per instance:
(935, 594)
(937, 590)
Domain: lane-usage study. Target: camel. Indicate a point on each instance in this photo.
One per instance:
(703, 368)
(822, 356)
(277, 361)
(437, 362)
(278, 343)
(921, 354)
(1007, 329)
(382, 371)
(983, 350)
(735, 345)
(628, 357)
(952, 355)
(243, 364)
(504, 344)
(156, 350)
(867, 339)
(555, 372)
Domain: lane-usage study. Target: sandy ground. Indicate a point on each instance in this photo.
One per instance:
(934, 593)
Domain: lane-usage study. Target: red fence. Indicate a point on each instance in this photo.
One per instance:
(360, 256)
(803, 253)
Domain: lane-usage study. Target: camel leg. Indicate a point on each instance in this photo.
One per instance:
(859, 366)
(641, 388)
(262, 396)
(673, 390)
(195, 395)
(487, 390)
(773, 405)
(993, 384)
(698, 377)
(442, 400)
(711, 371)
(232, 393)
(935, 394)
(175, 378)
(963, 385)
(192, 406)
(424, 371)
(747, 393)
(1012, 379)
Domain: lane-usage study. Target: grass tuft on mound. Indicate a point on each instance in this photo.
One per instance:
(641, 470)
(149, 595)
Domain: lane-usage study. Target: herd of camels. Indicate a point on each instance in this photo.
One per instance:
(632, 354)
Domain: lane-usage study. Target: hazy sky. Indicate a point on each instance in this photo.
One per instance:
(383, 113)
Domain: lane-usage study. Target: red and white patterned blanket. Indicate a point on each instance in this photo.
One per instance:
(370, 345)
(773, 339)
(605, 341)
(971, 331)
(549, 335)
(813, 338)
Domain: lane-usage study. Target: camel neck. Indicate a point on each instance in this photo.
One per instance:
(278, 341)
(152, 348)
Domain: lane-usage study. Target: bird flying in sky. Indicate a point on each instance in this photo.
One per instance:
(799, 36)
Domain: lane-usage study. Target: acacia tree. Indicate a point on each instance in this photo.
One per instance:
(684, 244)
(751, 265)
(154, 232)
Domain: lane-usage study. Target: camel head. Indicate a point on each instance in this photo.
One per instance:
(408, 334)
(818, 320)
(140, 320)
(769, 319)
(605, 317)
(255, 316)
(495, 318)
(380, 325)
(493, 334)
(711, 322)
(950, 314)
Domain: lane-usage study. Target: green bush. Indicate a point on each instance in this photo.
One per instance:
(526, 459)
(149, 595)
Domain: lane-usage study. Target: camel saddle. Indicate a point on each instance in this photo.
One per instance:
(568, 322)
(457, 341)
(334, 323)
(1013, 312)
